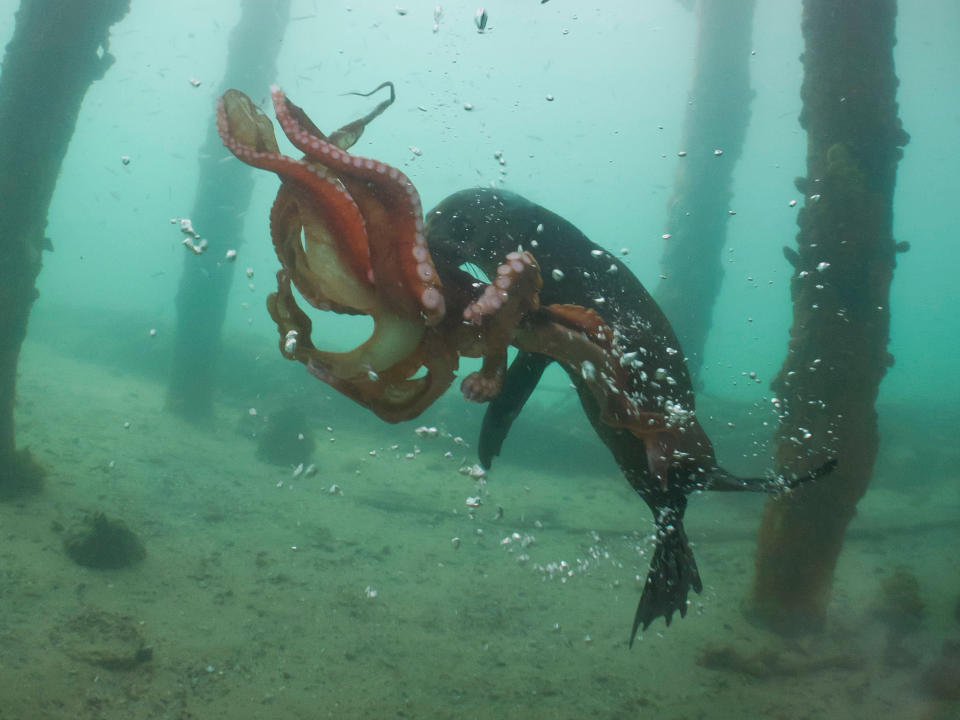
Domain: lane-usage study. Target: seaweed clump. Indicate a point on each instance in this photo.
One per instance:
(102, 543)
(285, 438)
(901, 606)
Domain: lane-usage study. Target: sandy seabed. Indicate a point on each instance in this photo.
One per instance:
(264, 595)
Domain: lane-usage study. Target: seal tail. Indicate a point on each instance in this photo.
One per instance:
(673, 572)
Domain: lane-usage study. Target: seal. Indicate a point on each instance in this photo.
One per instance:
(663, 466)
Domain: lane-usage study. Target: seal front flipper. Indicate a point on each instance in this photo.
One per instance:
(518, 384)
(673, 571)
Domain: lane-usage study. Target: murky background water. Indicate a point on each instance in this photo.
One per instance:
(266, 595)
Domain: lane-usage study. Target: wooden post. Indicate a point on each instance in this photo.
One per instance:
(717, 119)
(843, 267)
(223, 194)
(58, 50)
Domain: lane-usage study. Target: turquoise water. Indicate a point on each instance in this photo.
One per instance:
(264, 594)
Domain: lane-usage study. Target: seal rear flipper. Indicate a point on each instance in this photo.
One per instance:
(518, 384)
(673, 572)
(720, 479)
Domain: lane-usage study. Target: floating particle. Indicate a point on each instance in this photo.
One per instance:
(557, 274)
(230, 256)
(549, 98)
(400, 10)
(125, 159)
(416, 151)
(153, 332)
(682, 153)
(468, 106)
(253, 412)
(793, 203)
(249, 272)
(480, 19)
(195, 82)
(822, 266)
(455, 542)
(718, 152)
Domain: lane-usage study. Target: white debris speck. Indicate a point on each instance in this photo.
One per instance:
(588, 371)
(822, 266)
(424, 431)
(194, 82)
(250, 272)
(153, 332)
(475, 471)
(253, 412)
(231, 255)
(370, 593)
(473, 502)
(416, 151)
(549, 98)
(335, 490)
(455, 542)
(125, 159)
(468, 106)
(557, 274)
(718, 152)
(793, 203)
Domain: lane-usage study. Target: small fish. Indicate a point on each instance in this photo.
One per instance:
(481, 20)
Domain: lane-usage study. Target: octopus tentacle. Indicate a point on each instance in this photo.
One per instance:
(499, 309)
(398, 251)
(336, 212)
(346, 136)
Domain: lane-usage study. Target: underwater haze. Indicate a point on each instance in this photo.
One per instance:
(300, 558)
